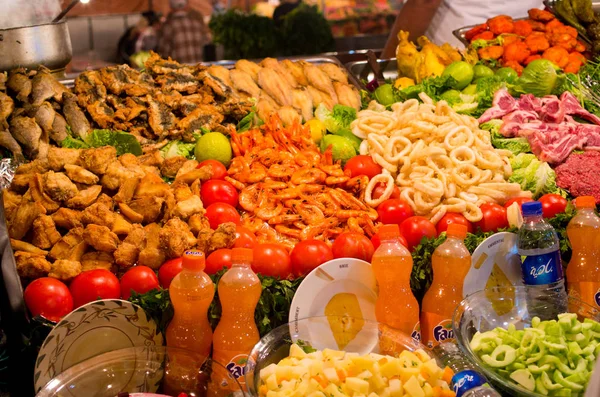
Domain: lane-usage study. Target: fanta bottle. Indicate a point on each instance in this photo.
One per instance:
(235, 336)
(392, 264)
(583, 272)
(450, 262)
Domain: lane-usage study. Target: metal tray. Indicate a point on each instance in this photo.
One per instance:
(361, 71)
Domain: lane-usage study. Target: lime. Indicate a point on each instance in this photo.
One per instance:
(342, 147)
(451, 96)
(213, 146)
(470, 90)
(480, 71)
(317, 129)
(507, 74)
(346, 133)
(461, 71)
(384, 94)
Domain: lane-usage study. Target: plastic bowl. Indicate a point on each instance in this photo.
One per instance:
(154, 369)
(316, 332)
(498, 307)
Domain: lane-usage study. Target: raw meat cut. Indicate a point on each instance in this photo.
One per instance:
(580, 174)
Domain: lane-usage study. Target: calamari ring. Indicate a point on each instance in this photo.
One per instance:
(466, 174)
(408, 194)
(430, 186)
(440, 163)
(388, 180)
(438, 213)
(459, 136)
(491, 162)
(364, 148)
(463, 155)
(486, 175)
(396, 148)
(473, 212)
(421, 171)
(384, 163)
(468, 197)
(377, 143)
(456, 205)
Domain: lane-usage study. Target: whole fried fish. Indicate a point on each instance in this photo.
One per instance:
(75, 116)
(59, 129)
(28, 133)
(7, 141)
(19, 83)
(44, 87)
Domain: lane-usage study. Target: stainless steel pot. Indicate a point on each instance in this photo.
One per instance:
(31, 46)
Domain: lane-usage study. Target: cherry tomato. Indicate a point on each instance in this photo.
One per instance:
(519, 200)
(218, 191)
(244, 238)
(94, 284)
(48, 297)
(353, 245)
(362, 165)
(217, 260)
(553, 204)
(394, 211)
(450, 218)
(218, 213)
(377, 242)
(168, 271)
(140, 279)
(218, 169)
(380, 188)
(494, 217)
(271, 260)
(415, 228)
(309, 254)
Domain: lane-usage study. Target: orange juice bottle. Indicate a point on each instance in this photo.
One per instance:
(450, 262)
(235, 336)
(392, 264)
(583, 272)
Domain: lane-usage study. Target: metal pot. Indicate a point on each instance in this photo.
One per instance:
(31, 46)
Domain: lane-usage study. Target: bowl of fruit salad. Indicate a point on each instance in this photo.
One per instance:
(343, 356)
(528, 343)
(147, 371)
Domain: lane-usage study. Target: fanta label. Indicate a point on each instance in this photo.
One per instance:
(416, 332)
(542, 269)
(587, 291)
(466, 380)
(236, 369)
(436, 329)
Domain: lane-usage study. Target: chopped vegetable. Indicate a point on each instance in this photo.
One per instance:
(122, 141)
(178, 148)
(340, 118)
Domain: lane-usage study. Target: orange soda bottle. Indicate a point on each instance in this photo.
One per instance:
(396, 306)
(450, 262)
(235, 336)
(583, 272)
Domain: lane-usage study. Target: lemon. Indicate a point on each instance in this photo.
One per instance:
(403, 82)
(214, 146)
(317, 129)
(462, 72)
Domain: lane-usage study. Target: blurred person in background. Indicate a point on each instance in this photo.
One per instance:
(438, 18)
(145, 30)
(183, 35)
(148, 37)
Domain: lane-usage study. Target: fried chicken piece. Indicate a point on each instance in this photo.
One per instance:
(126, 190)
(334, 72)
(303, 103)
(203, 174)
(160, 118)
(175, 238)
(45, 234)
(59, 157)
(65, 270)
(36, 166)
(96, 260)
(98, 160)
(318, 79)
(11, 202)
(249, 67)
(210, 241)
(347, 95)
(7, 105)
(171, 166)
(67, 219)
(20, 182)
(151, 185)
(276, 86)
(37, 194)
(289, 116)
(71, 246)
(181, 191)
(242, 81)
(196, 187)
(188, 166)
(29, 134)
(75, 117)
(150, 207)
(31, 266)
(106, 200)
(197, 223)
(23, 218)
(116, 174)
(80, 175)
(296, 71)
(186, 208)
(85, 197)
(130, 214)
(101, 238)
(59, 187)
(128, 252)
(121, 226)
(152, 255)
(151, 159)
(18, 245)
(98, 214)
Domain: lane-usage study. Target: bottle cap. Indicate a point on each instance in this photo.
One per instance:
(241, 255)
(531, 208)
(388, 232)
(585, 202)
(456, 230)
(193, 260)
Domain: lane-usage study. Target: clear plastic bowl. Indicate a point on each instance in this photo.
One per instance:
(153, 369)
(498, 307)
(316, 332)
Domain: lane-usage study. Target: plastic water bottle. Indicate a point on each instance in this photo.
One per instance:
(466, 382)
(541, 266)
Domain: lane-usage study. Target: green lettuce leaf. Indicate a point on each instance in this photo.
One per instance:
(251, 120)
(178, 148)
(72, 143)
(533, 175)
(515, 145)
(538, 78)
(339, 118)
(122, 141)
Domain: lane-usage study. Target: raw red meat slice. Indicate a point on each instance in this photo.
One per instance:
(573, 107)
(502, 104)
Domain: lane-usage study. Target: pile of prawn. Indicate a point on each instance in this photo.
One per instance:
(290, 192)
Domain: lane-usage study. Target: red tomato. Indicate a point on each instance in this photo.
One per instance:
(380, 188)
(217, 191)
(553, 204)
(519, 200)
(48, 297)
(309, 254)
(271, 260)
(353, 245)
(377, 242)
(394, 211)
(362, 165)
(415, 228)
(494, 217)
(140, 279)
(94, 284)
(217, 260)
(218, 213)
(218, 169)
(450, 218)
(168, 271)
(244, 238)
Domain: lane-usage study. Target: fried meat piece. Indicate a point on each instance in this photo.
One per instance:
(75, 117)
(31, 266)
(29, 134)
(20, 182)
(98, 160)
(59, 187)
(85, 197)
(96, 260)
(171, 166)
(198, 223)
(202, 174)
(19, 83)
(121, 226)
(151, 159)
(101, 113)
(101, 238)
(98, 214)
(186, 208)
(153, 255)
(11, 202)
(65, 270)
(59, 129)
(67, 219)
(130, 214)
(181, 191)
(59, 157)
(7, 141)
(175, 238)
(36, 166)
(223, 237)
(188, 166)
(71, 246)
(126, 190)
(89, 87)
(106, 200)
(150, 207)
(117, 173)
(128, 252)
(80, 175)
(151, 185)
(18, 245)
(37, 193)
(160, 118)
(23, 218)
(45, 234)
(45, 86)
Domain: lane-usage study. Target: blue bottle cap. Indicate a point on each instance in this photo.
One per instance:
(531, 208)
